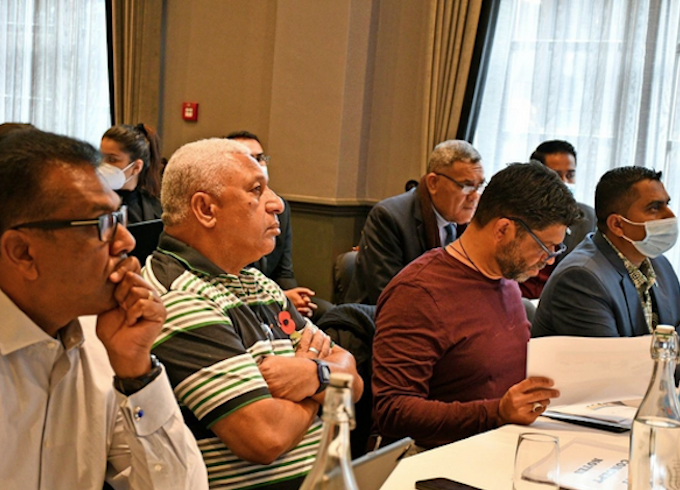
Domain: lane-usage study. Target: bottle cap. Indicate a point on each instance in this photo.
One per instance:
(665, 329)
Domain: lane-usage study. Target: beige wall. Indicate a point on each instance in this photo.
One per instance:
(220, 54)
(335, 88)
(399, 109)
(316, 88)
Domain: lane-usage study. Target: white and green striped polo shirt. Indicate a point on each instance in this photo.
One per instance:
(218, 326)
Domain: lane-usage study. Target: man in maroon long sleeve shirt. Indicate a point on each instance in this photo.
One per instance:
(450, 344)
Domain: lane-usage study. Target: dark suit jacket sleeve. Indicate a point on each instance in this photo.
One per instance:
(381, 251)
(283, 271)
(578, 304)
(580, 230)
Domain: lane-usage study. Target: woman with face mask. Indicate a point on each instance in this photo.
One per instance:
(132, 166)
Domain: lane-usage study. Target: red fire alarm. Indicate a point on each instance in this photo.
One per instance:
(190, 111)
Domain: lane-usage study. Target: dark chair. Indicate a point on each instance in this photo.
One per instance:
(343, 271)
(146, 235)
(352, 327)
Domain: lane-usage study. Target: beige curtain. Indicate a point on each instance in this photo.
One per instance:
(136, 38)
(453, 29)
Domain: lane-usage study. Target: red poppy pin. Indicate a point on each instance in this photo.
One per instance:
(286, 322)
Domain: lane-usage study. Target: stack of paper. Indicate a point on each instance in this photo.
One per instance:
(612, 416)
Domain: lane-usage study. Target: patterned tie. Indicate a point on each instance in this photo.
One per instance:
(450, 234)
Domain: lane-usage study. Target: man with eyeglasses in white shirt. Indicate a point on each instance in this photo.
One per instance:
(84, 401)
(401, 228)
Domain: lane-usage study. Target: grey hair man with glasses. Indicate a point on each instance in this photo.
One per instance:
(84, 401)
(449, 352)
(401, 228)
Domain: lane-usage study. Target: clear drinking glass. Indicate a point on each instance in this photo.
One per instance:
(537, 462)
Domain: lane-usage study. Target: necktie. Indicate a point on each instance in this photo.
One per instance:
(450, 234)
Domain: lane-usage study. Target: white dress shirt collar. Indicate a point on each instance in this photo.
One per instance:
(441, 225)
(19, 331)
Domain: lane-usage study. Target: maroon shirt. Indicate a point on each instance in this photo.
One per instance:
(449, 342)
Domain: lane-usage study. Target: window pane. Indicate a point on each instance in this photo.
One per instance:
(54, 66)
(601, 75)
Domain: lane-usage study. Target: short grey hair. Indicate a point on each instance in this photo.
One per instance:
(446, 153)
(194, 168)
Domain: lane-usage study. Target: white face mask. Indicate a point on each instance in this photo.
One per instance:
(114, 176)
(265, 171)
(571, 186)
(661, 235)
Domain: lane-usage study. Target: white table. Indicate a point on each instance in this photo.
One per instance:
(486, 461)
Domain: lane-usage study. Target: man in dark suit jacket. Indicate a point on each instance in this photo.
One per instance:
(616, 282)
(401, 228)
(560, 156)
(278, 265)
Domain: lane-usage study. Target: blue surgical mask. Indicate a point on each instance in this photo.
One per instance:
(660, 236)
(114, 176)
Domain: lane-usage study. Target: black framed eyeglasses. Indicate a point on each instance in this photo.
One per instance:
(559, 249)
(106, 223)
(466, 189)
(262, 158)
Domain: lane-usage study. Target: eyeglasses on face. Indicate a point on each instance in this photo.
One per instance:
(106, 224)
(466, 189)
(261, 158)
(559, 249)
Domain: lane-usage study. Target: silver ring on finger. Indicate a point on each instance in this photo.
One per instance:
(537, 407)
(314, 350)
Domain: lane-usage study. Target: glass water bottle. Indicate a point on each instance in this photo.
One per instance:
(333, 466)
(655, 436)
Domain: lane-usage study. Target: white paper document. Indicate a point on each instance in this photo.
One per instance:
(588, 370)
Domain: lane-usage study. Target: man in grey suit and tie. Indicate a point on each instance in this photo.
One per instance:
(401, 228)
(617, 283)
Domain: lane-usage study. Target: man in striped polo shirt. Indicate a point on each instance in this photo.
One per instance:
(247, 369)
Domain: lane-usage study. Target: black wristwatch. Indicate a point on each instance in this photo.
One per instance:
(130, 386)
(324, 374)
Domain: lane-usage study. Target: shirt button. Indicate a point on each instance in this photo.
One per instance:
(52, 345)
(157, 468)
